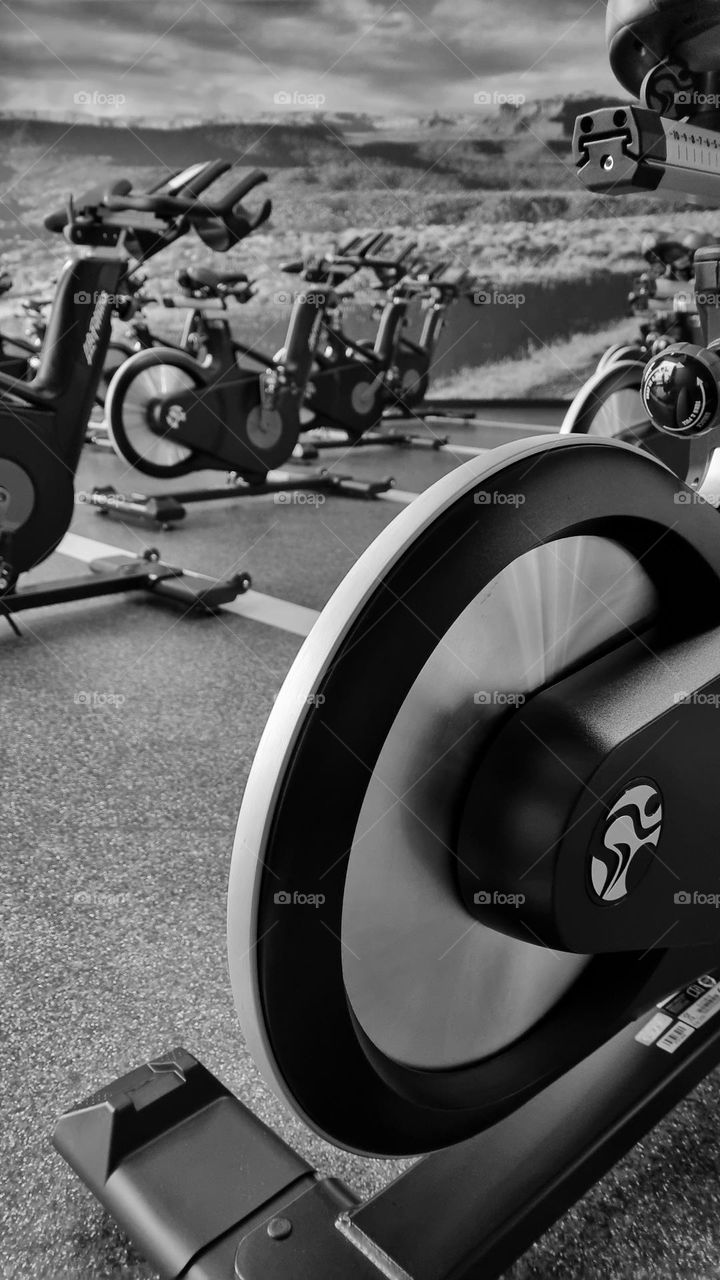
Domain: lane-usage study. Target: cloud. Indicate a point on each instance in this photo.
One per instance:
(216, 56)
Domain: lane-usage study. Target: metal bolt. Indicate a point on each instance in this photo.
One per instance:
(607, 162)
(279, 1228)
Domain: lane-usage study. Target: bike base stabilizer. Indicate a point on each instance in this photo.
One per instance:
(208, 1192)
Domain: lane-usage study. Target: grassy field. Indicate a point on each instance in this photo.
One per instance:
(558, 369)
(497, 194)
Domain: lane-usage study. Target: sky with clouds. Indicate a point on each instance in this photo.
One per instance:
(181, 58)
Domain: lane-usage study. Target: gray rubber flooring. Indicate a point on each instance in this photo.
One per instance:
(128, 734)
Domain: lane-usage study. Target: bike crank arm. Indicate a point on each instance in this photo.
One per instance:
(618, 150)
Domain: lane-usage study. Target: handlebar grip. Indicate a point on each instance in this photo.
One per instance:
(160, 206)
(385, 238)
(404, 254)
(221, 229)
(233, 197)
(293, 268)
(202, 180)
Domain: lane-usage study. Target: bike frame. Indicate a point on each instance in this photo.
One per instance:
(205, 418)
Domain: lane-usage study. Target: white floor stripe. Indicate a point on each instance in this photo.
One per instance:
(462, 450)
(271, 610)
(402, 497)
(87, 549)
(282, 614)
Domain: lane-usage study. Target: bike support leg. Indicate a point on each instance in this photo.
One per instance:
(166, 509)
(209, 1193)
(115, 575)
(307, 450)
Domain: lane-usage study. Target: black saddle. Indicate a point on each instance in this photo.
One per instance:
(203, 282)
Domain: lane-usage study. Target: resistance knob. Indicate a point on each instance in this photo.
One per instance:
(680, 389)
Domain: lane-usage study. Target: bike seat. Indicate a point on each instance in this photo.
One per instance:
(675, 255)
(641, 33)
(204, 282)
(664, 251)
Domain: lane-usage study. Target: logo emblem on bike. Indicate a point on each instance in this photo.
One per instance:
(630, 836)
(95, 327)
(175, 416)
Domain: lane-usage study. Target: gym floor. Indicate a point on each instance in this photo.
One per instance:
(129, 733)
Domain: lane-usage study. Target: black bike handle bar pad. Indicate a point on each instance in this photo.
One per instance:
(220, 233)
(360, 245)
(233, 197)
(350, 246)
(209, 173)
(369, 244)
(206, 276)
(58, 219)
(375, 239)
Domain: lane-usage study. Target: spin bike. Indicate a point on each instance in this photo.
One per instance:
(360, 388)
(18, 355)
(662, 298)
(44, 420)
(364, 393)
(610, 403)
(137, 335)
(169, 414)
(532, 979)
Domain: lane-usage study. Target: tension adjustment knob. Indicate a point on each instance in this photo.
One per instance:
(680, 389)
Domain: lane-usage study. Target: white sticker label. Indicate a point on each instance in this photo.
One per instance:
(675, 1037)
(654, 1028)
(706, 1007)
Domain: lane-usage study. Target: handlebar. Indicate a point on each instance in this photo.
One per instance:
(59, 219)
(202, 179)
(92, 218)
